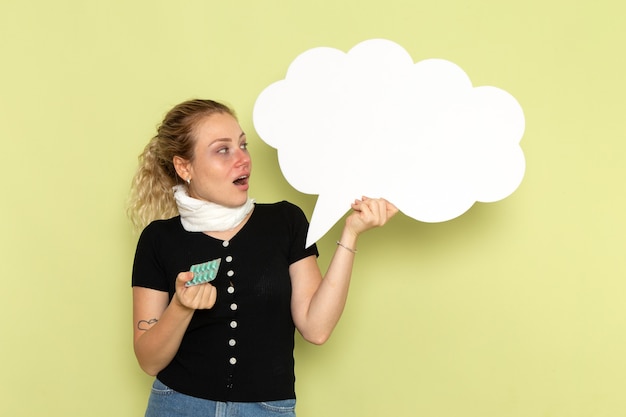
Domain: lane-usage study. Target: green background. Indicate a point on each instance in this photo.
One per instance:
(514, 309)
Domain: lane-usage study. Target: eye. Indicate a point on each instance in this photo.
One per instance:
(244, 146)
(223, 150)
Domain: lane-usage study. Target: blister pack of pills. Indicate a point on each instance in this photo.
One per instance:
(204, 272)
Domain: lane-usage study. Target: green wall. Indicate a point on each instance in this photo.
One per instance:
(515, 309)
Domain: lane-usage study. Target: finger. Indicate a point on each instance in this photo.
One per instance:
(391, 209)
(184, 277)
(365, 209)
(382, 208)
(375, 208)
(207, 296)
(203, 296)
(212, 297)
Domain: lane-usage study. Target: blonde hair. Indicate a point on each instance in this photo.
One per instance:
(151, 195)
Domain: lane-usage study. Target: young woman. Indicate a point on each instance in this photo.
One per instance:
(226, 347)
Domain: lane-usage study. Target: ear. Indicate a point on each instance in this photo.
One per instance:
(182, 167)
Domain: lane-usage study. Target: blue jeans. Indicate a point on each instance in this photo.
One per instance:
(165, 402)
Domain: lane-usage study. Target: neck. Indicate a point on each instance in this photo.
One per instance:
(203, 216)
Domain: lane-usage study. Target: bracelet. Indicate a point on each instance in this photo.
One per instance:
(345, 247)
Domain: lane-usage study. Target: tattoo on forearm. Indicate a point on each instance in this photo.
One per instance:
(145, 324)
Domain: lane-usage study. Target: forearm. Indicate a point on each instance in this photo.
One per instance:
(328, 302)
(155, 348)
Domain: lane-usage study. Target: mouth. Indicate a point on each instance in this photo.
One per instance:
(243, 180)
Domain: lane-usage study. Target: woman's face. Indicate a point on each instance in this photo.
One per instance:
(221, 165)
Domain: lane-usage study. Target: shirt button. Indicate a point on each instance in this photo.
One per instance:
(230, 273)
(233, 324)
(231, 289)
(233, 306)
(225, 243)
(232, 342)
(233, 361)
(229, 258)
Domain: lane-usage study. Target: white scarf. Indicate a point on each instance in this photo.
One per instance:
(204, 216)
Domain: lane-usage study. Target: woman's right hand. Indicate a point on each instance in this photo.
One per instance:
(195, 297)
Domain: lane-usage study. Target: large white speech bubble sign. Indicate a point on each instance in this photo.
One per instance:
(371, 122)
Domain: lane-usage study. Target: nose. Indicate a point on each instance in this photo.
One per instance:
(243, 157)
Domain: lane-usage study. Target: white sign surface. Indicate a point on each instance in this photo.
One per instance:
(371, 122)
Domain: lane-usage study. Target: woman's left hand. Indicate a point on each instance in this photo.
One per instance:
(369, 213)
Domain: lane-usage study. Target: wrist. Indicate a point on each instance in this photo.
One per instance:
(348, 240)
(349, 249)
(180, 306)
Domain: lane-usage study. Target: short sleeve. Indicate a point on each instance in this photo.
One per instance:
(148, 271)
(299, 227)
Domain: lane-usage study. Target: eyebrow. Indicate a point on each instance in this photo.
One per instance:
(227, 139)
